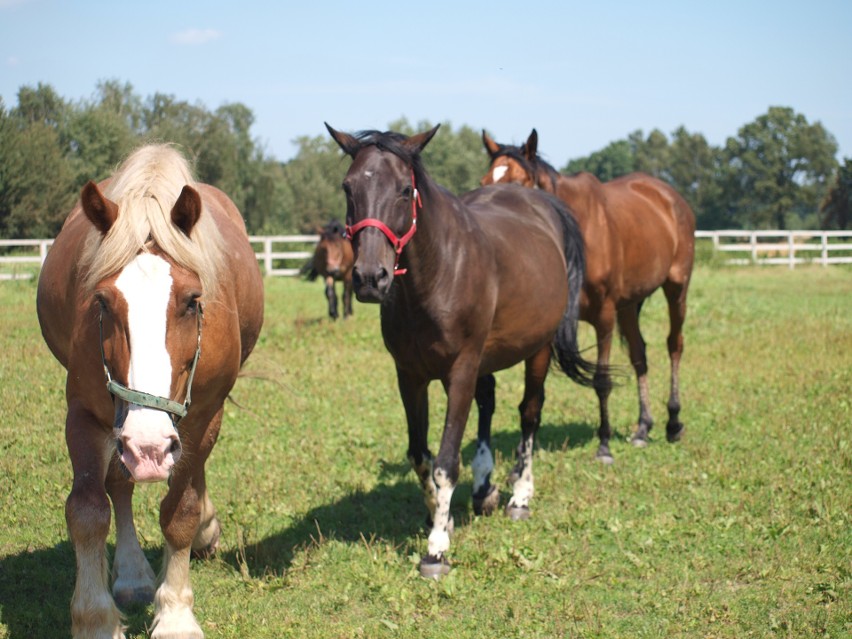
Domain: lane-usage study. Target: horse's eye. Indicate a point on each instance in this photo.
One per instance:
(100, 300)
(406, 192)
(193, 303)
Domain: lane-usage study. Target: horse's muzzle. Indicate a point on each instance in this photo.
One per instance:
(371, 285)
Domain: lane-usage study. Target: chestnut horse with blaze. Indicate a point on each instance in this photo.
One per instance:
(468, 286)
(639, 235)
(152, 299)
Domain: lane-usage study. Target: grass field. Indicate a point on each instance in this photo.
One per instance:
(744, 529)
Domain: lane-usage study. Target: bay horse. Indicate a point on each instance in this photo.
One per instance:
(639, 235)
(151, 297)
(467, 286)
(333, 260)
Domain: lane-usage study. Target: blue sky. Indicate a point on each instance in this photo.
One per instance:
(583, 74)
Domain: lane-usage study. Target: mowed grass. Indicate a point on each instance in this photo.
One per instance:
(744, 529)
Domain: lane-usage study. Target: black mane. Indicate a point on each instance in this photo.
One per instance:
(392, 142)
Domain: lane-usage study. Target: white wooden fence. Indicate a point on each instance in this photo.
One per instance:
(782, 247)
(277, 254)
(285, 254)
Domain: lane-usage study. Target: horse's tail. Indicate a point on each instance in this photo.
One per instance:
(309, 271)
(565, 347)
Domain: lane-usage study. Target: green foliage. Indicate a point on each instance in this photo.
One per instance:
(614, 160)
(837, 205)
(773, 174)
(743, 529)
(777, 169)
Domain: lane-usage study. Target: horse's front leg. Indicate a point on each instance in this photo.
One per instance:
(459, 385)
(188, 522)
(415, 401)
(331, 295)
(87, 513)
(486, 497)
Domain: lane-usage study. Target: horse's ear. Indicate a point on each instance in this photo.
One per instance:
(418, 142)
(187, 210)
(490, 145)
(100, 211)
(347, 142)
(531, 147)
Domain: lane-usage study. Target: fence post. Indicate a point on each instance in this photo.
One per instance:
(791, 250)
(267, 256)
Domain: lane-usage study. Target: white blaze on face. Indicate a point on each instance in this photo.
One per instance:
(147, 434)
(499, 172)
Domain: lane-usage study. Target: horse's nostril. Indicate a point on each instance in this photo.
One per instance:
(175, 447)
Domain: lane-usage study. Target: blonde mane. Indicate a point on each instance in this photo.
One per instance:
(145, 188)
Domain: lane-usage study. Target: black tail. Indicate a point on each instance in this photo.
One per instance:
(565, 347)
(308, 271)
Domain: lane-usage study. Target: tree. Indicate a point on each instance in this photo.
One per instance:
(614, 160)
(778, 169)
(837, 205)
(36, 186)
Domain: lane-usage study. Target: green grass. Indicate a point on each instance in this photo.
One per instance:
(744, 529)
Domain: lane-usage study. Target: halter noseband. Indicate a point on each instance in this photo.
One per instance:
(140, 398)
(398, 243)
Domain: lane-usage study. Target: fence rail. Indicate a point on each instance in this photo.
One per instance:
(782, 247)
(284, 255)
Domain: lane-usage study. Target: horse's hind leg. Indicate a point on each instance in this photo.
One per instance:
(603, 383)
(133, 580)
(676, 297)
(331, 294)
(206, 541)
(628, 320)
(486, 497)
(530, 409)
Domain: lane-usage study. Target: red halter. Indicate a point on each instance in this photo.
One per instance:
(398, 243)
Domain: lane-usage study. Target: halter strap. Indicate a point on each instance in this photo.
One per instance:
(398, 243)
(141, 398)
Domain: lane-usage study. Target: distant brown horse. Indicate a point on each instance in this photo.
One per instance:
(467, 285)
(120, 302)
(333, 260)
(639, 236)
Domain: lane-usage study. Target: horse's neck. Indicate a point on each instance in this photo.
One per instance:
(441, 221)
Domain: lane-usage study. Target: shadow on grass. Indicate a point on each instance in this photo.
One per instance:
(393, 511)
(36, 589)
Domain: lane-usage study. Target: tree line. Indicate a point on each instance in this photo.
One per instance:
(777, 172)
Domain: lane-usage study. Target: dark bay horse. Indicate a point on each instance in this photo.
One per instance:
(639, 236)
(120, 302)
(467, 285)
(333, 260)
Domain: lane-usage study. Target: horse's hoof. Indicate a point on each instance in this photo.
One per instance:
(639, 442)
(674, 432)
(605, 457)
(434, 567)
(489, 504)
(517, 513)
(132, 597)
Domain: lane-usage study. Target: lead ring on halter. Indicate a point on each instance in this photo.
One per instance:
(140, 398)
(398, 243)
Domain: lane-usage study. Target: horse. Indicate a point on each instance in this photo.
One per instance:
(639, 235)
(467, 286)
(333, 259)
(152, 299)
